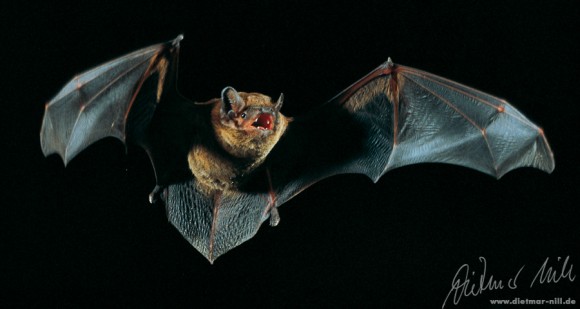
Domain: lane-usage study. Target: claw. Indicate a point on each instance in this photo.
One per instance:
(155, 194)
(274, 216)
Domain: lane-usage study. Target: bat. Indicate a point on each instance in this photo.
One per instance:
(224, 166)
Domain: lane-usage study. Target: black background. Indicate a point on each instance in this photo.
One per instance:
(87, 236)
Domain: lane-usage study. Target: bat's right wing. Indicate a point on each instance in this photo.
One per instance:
(117, 99)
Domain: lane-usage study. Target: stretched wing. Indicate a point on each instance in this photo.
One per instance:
(134, 99)
(396, 116)
(392, 117)
(116, 99)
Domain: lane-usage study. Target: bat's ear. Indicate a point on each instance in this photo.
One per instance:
(232, 101)
(279, 103)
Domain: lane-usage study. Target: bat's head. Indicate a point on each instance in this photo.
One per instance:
(249, 111)
(248, 124)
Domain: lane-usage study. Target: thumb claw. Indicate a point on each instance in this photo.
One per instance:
(154, 195)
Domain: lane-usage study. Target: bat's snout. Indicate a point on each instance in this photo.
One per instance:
(264, 121)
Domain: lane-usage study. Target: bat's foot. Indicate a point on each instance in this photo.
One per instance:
(274, 216)
(155, 194)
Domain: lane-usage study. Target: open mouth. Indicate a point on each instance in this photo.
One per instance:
(264, 122)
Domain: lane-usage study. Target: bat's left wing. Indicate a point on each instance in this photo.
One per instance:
(392, 117)
(397, 116)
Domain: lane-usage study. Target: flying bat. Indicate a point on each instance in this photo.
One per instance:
(224, 166)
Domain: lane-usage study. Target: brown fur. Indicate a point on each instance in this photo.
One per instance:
(239, 150)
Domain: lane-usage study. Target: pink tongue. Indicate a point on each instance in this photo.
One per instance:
(264, 121)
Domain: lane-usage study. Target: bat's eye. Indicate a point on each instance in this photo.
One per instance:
(243, 115)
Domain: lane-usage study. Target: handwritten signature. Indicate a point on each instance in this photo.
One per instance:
(465, 283)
